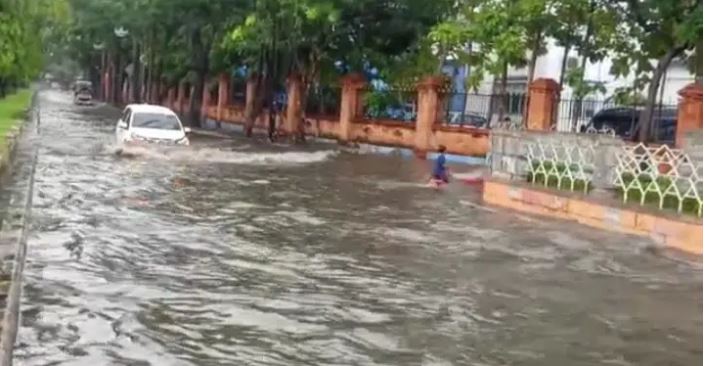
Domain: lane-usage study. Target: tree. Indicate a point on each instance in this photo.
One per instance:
(23, 27)
(309, 37)
(656, 32)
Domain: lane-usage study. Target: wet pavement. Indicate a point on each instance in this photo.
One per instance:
(233, 252)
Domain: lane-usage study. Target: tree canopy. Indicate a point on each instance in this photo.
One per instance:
(150, 44)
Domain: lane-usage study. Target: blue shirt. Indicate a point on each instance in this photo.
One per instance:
(439, 168)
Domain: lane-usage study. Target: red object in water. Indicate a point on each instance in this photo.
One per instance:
(477, 180)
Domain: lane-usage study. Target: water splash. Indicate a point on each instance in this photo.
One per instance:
(215, 155)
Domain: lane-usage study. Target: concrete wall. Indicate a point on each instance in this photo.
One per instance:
(678, 233)
(381, 132)
(509, 149)
(459, 141)
(463, 141)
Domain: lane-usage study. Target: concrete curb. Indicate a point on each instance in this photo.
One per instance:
(13, 242)
(16, 261)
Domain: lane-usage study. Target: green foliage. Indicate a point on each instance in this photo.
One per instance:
(581, 87)
(551, 181)
(23, 29)
(319, 39)
(378, 102)
(628, 97)
(12, 108)
(651, 199)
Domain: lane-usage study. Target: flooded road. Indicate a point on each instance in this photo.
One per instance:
(233, 252)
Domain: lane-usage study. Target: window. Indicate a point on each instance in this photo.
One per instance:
(126, 116)
(157, 121)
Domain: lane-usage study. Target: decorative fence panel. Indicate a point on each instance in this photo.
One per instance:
(561, 165)
(663, 176)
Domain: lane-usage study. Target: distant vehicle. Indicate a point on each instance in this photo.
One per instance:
(468, 120)
(82, 92)
(623, 121)
(83, 97)
(81, 85)
(150, 124)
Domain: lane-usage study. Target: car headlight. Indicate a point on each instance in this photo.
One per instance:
(183, 141)
(135, 136)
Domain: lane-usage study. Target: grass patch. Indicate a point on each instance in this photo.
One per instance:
(553, 182)
(12, 109)
(651, 199)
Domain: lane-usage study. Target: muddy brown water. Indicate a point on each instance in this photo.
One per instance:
(233, 252)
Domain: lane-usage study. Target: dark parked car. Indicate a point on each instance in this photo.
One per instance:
(624, 121)
(468, 120)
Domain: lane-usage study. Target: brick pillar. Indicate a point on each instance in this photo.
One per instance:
(293, 104)
(171, 98)
(223, 95)
(250, 93)
(154, 93)
(107, 86)
(690, 112)
(205, 100)
(187, 106)
(543, 101)
(427, 114)
(351, 104)
(180, 96)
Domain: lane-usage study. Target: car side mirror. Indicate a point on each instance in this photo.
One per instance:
(122, 124)
(187, 129)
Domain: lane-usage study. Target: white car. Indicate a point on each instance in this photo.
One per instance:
(145, 123)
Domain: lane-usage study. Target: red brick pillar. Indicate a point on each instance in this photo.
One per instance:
(171, 98)
(223, 94)
(154, 93)
(186, 107)
(543, 101)
(351, 104)
(106, 85)
(251, 93)
(293, 105)
(180, 96)
(690, 112)
(205, 100)
(429, 105)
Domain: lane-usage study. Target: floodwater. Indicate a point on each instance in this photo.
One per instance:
(235, 252)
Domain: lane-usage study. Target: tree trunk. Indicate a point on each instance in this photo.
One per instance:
(255, 102)
(272, 109)
(564, 65)
(530, 76)
(117, 79)
(136, 66)
(503, 92)
(159, 93)
(699, 61)
(584, 46)
(200, 52)
(646, 117)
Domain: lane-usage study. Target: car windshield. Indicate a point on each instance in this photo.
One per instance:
(156, 120)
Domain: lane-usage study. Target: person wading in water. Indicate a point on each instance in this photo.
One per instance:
(440, 172)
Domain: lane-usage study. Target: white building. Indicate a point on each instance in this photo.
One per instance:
(549, 66)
